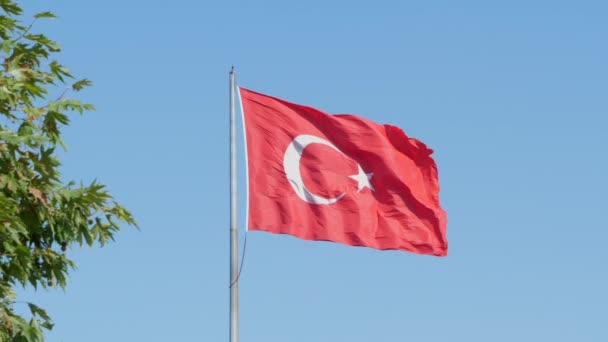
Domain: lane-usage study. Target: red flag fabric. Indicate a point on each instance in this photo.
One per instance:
(339, 178)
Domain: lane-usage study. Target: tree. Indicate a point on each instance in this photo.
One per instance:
(40, 216)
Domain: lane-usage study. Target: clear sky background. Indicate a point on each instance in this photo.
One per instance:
(511, 95)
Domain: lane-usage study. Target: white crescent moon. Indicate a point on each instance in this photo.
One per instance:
(291, 164)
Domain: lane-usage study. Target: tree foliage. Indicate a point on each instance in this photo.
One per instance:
(40, 216)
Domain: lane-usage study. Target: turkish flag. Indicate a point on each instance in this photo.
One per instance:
(339, 178)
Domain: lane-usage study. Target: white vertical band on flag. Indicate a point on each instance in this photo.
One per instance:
(246, 159)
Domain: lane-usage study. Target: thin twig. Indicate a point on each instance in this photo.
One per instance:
(26, 31)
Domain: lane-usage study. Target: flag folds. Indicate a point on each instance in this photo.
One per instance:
(339, 178)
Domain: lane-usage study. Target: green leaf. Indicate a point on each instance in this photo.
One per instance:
(81, 84)
(45, 15)
(6, 46)
(59, 70)
(37, 311)
(10, 7)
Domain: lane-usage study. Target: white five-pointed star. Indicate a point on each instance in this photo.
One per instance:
(363, 179)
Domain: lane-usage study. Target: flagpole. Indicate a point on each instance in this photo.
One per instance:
(234, 238)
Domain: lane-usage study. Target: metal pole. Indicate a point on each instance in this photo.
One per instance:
(234, 237)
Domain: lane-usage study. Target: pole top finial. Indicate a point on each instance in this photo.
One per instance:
(232, 69)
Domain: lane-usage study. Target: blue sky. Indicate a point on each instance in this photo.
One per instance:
(510, 95)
